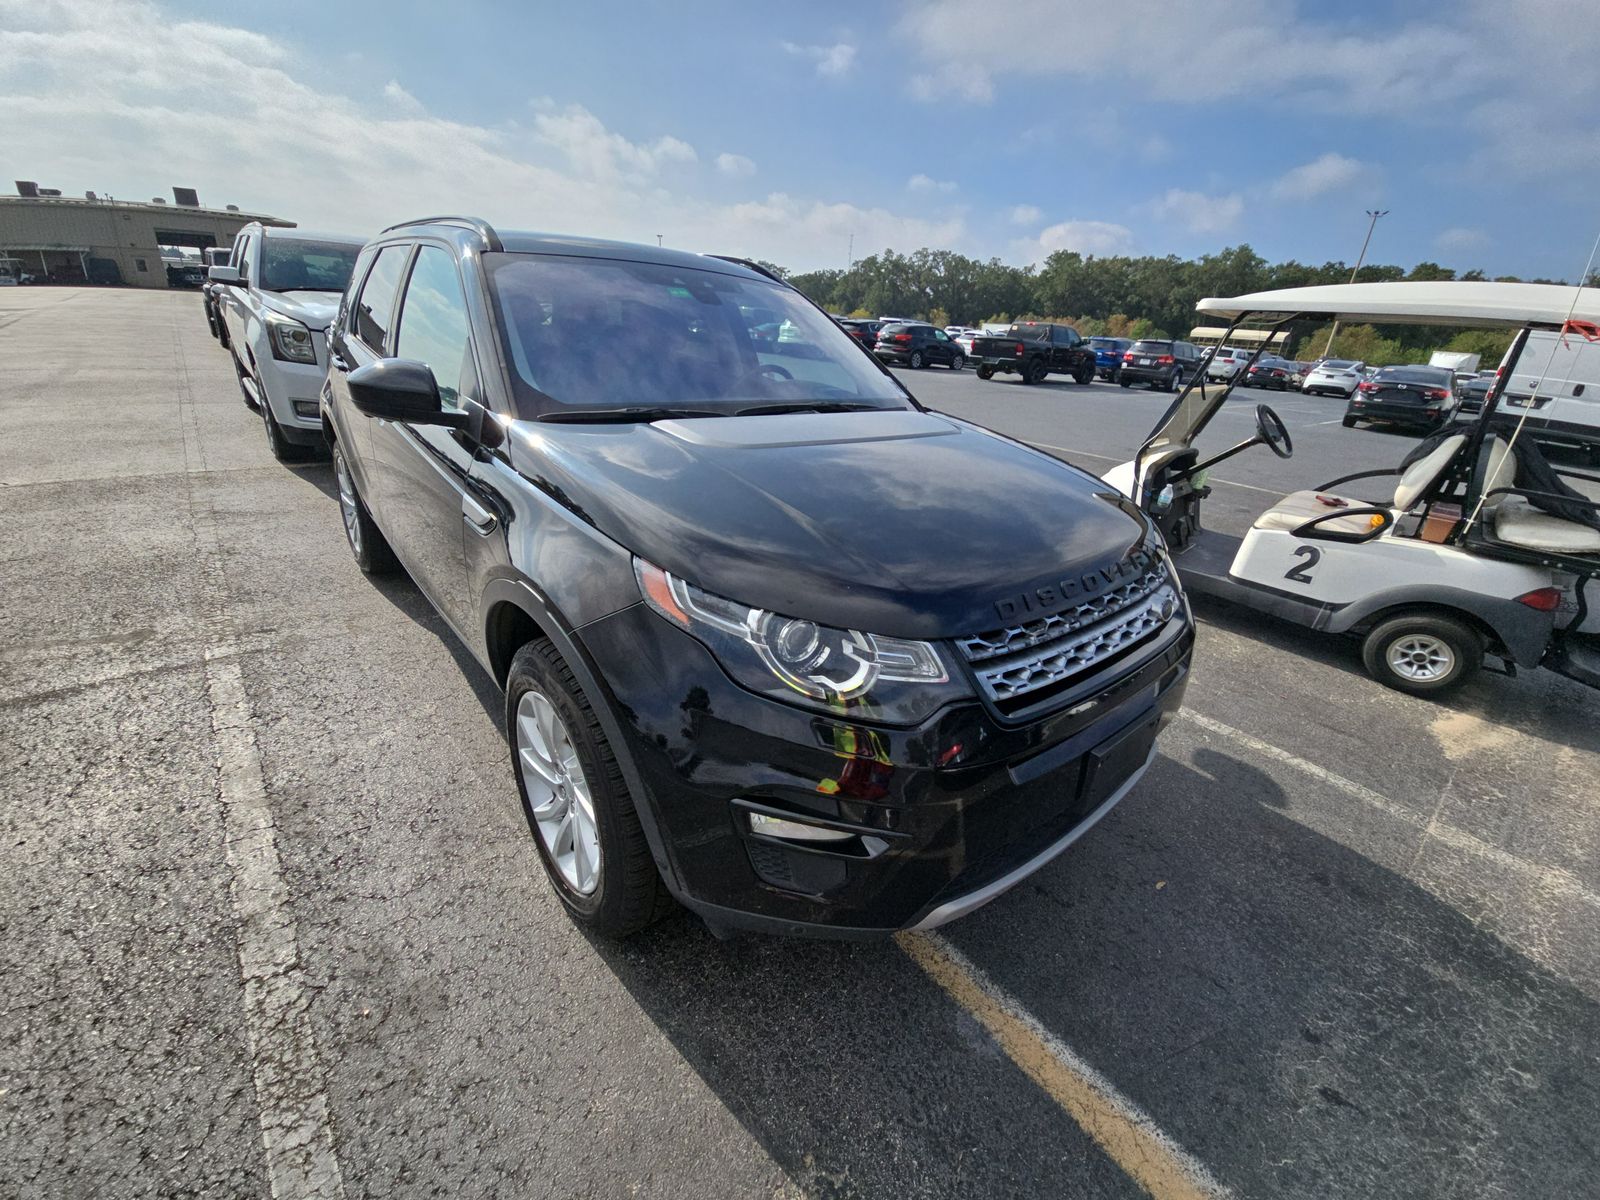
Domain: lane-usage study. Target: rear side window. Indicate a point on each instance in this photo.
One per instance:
(375, 307)
(434, 327)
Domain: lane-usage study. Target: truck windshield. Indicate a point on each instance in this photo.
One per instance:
(300, 264)
(606, 334)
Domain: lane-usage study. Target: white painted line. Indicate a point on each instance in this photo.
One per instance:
(290, 1087)
(1550, 878)
(1127, 1134)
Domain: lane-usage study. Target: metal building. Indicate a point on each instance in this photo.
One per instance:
(64, 239)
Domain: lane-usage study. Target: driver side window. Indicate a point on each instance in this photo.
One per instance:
(435, 328)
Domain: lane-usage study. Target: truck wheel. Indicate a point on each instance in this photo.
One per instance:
(916, 360)
(282, 448)
(1034, 372)
(1349, 422)
(1422, 653)
(1084, 378)
(985, 372)
(1121, 382)
(583, 820)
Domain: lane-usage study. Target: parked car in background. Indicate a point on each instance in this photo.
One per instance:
(862, 329)
(1227, 362)
(1333, 377)
(279, 293)
(1473, 392)
(1108, 352)
(1162, 364)
(918, 345)
(215, 256)
(1556, 383)
(1271, 372)
(965, 341)
(1414, 397)
(584, 497)
(1033, 350)
(1464, 364)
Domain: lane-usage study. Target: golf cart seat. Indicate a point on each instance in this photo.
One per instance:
(1295, 509)
(1518, 523)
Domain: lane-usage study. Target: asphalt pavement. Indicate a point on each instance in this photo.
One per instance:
(1339, 943)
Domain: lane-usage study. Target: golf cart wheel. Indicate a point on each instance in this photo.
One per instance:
(916, 360)
(1422, 653)
(985, 372)
(1349, 422)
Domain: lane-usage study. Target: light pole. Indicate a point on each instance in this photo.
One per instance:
(658, 239)
(1360, 258)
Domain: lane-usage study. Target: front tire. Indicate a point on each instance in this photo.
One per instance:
(1422, 653)
(282, 448)
(366, 540)
(583, 820)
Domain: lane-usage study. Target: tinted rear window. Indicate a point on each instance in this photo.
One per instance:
(1152, 347)
(1431, 375)
(1338, 364)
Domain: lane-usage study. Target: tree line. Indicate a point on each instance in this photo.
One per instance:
(1126, 296)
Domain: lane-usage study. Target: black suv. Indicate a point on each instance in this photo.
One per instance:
(774, 639)
(918, 345)
(1161, 364)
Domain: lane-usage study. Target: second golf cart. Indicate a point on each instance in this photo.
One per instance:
(1476, 545)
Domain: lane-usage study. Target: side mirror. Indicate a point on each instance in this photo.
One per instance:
(228, 275)
(401, 389)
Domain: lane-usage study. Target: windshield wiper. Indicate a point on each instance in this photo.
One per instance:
(817, 406)
(622, 416)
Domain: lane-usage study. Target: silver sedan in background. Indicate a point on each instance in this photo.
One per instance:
(1334, 377)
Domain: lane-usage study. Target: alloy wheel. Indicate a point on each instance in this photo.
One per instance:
(348, 504)
(1421, 657)
(557, 792)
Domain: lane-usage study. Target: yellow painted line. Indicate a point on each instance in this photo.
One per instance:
(1128, 1136)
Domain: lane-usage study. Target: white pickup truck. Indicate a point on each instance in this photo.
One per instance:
(277, 296)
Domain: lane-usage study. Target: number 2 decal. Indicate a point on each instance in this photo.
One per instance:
(1302, 572)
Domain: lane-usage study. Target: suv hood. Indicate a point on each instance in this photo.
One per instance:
(903, 523)
(315, 310)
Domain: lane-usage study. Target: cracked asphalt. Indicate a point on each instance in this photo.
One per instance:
(1339, 943)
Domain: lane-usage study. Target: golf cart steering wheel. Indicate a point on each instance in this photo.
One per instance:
(1270, 426)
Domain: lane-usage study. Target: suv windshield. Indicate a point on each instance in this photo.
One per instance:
(299, 264)
(598, 334)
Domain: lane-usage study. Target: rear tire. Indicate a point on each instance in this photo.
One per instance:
(985, 373)
(916, 360)
(1034, 372)
(628, 894)
(958, 363)
(1423, 654)
(1349, 422)
(1175, 382)
(1123, 382)
(1084, 378)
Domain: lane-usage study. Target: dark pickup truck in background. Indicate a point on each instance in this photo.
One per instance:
(1034, 349)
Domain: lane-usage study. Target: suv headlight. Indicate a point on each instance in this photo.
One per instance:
(866, 675)
(291, 341)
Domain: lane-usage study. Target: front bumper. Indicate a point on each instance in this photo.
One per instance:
(293, 389)
(946, 815)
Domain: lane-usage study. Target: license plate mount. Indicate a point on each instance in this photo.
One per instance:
(1109, 765)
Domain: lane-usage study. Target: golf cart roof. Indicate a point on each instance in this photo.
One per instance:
(1478, 305)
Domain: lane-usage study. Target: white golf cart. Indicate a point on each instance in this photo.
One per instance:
(1480, 545)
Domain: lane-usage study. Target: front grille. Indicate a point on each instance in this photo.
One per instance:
(1018, 665)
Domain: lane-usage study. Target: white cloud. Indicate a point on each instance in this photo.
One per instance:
(403, 100)
(328, 160)
(1461, 240)
(1026, 214)
(923, 183)
(1086, 237)
(966, 81)
(736, 165)
(1329, 173)
(836, 59)
(599, 153)
(1198, 212)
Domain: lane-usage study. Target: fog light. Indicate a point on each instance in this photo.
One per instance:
(795, 831)
(305, 408)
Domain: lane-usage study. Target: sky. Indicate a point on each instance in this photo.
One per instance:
(802, 134)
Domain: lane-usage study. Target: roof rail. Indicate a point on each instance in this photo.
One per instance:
(477, 224)
(751, 264)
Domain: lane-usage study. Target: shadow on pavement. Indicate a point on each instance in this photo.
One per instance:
(1304, 1021)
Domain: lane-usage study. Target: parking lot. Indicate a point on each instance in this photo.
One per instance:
(1339, 943)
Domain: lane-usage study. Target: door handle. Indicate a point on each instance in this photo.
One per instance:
(336, 360)
(479, 517)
